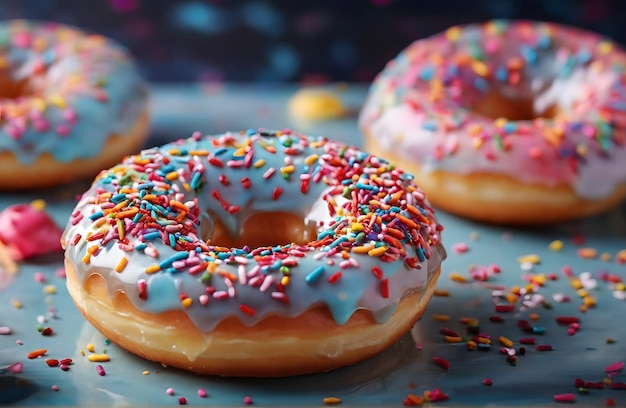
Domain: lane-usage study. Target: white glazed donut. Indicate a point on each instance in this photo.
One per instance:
(258, 253)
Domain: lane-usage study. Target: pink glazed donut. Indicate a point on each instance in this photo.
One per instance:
(511, 122)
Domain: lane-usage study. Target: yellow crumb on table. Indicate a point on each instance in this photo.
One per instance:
(316, 104)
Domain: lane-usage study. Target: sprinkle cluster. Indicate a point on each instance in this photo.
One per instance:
(154, 202)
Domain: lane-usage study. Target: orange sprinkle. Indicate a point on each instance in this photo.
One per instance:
(441, 317)
(441, 292)
(127, 213)
(36, 353)
(453, 339)
(377, 251)
(457, 277)
(587, 253)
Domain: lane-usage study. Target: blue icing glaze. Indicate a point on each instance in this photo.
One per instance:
(73, 103)
(358, 288)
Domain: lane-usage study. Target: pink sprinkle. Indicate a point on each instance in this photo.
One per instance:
(567, 397)
(460, 248)
(5, 330)
(39, 277)
(100, 370)
(202, 393)
(169, 391)
(247, 400)
(60, 273)
(55, 388)
(15, 367)
(487, 381)
(619, 366)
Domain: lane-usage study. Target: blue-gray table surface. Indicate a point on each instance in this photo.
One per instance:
(384, 380)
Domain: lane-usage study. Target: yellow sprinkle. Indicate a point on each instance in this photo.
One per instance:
(284, 280)
(152, 269)
(556, 245)
(441, 317)
(50, 289)
(174, 152)
(87, 258)
(16, 303)
(82, 353)
(309, 160)
(589, 300)
(582, 292)
(530, 258)
(186, 302)
(500, 122)
(145, 372)
(453, 339)
(258, 163)
(484, 340)
(91, 348)
(441, 293)
(576, 284)
(457, 277)
(287, 169)
(357, 226)
(480, 68)
(587, 253)
(172, 176)
(98, 358)
(58, 101)
(38, 204)
(620, 286)
(605, 256)
(377, 251)
(331, 401)
(505, 341)
(121, 264)
(453, 33)
(605, 47)
(609, 340)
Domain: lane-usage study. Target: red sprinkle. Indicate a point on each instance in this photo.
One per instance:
(527, 340)
(276, 193)
(182, 401)
(52, 362)
(384, 288)
(567, 397)
(247, 310)
(441, 362)
(334, 277)
(505, 308)
(565, 320)
(543, 347)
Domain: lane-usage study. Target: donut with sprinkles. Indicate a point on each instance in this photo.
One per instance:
(256, 253)
(513, 122)
(71, 104)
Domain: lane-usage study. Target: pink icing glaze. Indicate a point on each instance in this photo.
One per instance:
(28, 232)
(423, 105)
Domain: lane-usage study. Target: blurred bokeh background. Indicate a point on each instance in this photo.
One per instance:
(301, 41)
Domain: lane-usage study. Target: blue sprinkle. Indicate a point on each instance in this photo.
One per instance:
(219, 151)
(336, 242)
(178, 256)
(365, 186)
(147, 185)
(172, 240)
(95, 216)
(118, 198)
(529, 54)
(432, 126)
(427, 74)
(195, 180)
(538, 330)
(544, 42)
(151, 235)
(480, 84)
(583, 57)
(137, 217)
(314, 275)
(276, 265)
(502, 74)
(141, 247)
(509, 127)
(420, 254)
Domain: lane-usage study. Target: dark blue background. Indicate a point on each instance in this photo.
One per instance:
(290, 40)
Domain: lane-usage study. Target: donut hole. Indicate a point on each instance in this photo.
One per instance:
(496, 104)
(261, 229)
(12, 89)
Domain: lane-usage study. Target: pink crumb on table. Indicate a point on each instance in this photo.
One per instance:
(27, 232)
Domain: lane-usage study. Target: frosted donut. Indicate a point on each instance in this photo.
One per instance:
(510, 122)
(71, 103)
(258, 253)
